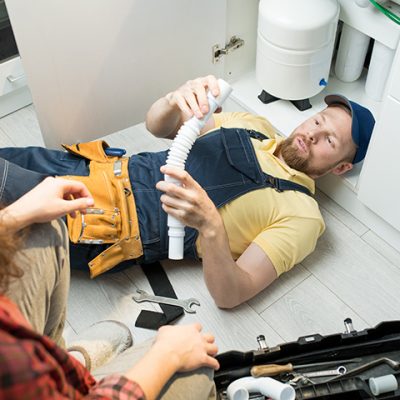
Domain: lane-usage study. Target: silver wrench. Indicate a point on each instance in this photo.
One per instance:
(185, 304)
(329, 372)
(395, 365)
(304, 378)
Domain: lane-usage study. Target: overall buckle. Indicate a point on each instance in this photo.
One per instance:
(274, 182)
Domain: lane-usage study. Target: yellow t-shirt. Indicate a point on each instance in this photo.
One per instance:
(285, 225)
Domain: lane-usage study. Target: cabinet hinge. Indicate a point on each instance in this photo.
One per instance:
(234, 44)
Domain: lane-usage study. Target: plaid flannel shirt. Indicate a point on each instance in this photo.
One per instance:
(32, 366)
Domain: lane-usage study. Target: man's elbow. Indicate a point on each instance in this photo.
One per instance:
(149, 125)
(227, 303)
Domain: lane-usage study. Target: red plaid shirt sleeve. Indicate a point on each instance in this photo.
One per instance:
(117, 387)
(30, 372)
(32, 366)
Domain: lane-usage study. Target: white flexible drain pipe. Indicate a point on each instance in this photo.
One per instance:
(271, 388)
(177, 156)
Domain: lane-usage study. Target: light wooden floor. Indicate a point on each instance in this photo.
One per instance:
(352, 273)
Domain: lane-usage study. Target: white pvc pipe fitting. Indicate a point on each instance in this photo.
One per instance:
(383, 384)
(177, 156)
(240, 389)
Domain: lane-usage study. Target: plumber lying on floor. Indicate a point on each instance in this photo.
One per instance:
(247, 193)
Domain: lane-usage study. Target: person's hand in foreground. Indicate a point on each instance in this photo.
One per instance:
(176, 349)
(51, 199)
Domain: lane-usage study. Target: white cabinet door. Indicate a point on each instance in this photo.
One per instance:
(95, 66)
(379, 182)
(14, 92)
(12, 76)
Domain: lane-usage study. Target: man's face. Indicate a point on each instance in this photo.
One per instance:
(320, 143)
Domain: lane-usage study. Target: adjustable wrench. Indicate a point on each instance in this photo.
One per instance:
(185, 304)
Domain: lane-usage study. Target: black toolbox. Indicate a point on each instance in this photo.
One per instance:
(369, 353)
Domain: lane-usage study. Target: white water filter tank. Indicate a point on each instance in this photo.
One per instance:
(295, 41)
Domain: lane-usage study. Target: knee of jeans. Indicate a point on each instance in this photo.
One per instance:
(51, 239)
(61, 227)
(198, 383)
(43, 255)
(61, 238)
(53, 233)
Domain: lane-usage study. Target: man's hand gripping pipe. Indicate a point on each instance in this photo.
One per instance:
(177, 156)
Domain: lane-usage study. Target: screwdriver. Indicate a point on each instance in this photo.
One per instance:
(276, 369)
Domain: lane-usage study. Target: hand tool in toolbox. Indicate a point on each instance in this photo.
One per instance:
(373, 368)
(276, 369)
(395, 365)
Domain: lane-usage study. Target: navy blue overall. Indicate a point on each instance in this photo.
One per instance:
(223, 162)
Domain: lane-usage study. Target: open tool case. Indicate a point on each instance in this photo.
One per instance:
(375, 352)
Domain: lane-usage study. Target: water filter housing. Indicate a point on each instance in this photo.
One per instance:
(295, 41)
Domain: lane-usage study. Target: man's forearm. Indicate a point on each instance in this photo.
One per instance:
(152, 372)
(163, 119)
(227, 283)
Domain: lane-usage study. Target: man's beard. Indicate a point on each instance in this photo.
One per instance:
(290, 154)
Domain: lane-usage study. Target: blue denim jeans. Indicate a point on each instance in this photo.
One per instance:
(15, 181)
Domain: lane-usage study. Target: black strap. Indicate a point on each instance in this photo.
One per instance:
(280, 185)
(256, 135)
(161, 286)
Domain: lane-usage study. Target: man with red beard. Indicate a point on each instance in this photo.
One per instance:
(246, 244)
(246, 196)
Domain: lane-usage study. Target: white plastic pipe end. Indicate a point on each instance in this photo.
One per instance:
(239, 389)
(383, 384)
(224, 91)
(175, 249)
(176, 233)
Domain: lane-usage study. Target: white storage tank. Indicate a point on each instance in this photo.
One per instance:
(295, 42)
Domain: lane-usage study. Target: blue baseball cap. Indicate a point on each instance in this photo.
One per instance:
(362, 123)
